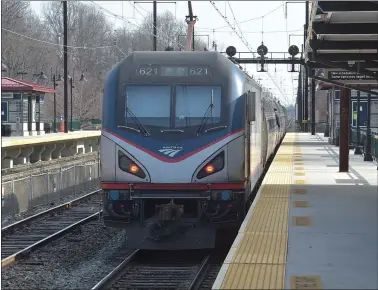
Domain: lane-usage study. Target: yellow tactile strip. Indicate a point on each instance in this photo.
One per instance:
(269, 215)
(255, 276)
(258, 257)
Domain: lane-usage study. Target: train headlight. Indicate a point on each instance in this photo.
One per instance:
(215, 165)
(128, 165)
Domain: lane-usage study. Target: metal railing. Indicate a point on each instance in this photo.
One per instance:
(22, 194)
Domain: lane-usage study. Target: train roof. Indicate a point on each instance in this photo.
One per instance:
(188, 57)
(173, 57)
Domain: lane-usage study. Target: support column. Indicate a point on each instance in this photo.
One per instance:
(88, 146)
(80, 147)
(69, 149)
(313, 105)
(344, 131)
(57, 152)
(368, 156)
(306, 100)
(357, 150)
(326, 131)
(46, 154)
(36, 155)
(8, 156)
(24, 157)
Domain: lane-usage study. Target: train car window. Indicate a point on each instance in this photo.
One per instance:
(251, 102)
(192, 102)
(149, 103)
(277, 118)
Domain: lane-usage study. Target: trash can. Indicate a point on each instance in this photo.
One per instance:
(6, 130)
(47, 127)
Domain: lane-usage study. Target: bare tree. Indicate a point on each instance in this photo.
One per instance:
(94, 47)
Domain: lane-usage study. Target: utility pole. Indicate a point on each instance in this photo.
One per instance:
(154, 29)
(65, 24)
(155, 26)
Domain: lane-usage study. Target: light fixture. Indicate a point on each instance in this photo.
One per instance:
(42, 76)
(4, 68)
(82, 78)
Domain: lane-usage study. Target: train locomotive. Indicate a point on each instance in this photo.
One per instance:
(185, 138)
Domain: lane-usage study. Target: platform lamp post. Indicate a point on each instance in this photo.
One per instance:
(41, 78)
(82, 79)
(55, 80)
(4, 68)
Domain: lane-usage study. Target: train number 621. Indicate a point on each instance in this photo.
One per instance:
(148, 71)
(198, 71)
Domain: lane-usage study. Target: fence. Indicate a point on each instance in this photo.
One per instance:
(25, 193)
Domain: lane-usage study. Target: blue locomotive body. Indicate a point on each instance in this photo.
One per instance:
(185, 138)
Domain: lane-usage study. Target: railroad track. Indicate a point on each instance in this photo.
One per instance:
(22, 237)
(161, 270)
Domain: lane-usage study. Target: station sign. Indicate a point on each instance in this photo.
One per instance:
(349, 77)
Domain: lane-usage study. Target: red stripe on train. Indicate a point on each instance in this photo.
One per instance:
(173, 186)
(172, 160)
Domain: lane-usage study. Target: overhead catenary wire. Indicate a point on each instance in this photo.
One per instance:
(54, 44)
(203, 29)
(255, 18)
(161, 31)
(225, 19)
(246, 43)
(235, 21)
(132, 24)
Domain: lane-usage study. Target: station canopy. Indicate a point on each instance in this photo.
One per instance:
(343, 39)
(14, 85)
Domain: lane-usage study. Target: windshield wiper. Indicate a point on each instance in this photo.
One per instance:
(135, 118)
(206, 116)
(172, 130)
(215, 128)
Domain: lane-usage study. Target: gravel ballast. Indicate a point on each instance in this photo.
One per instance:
(76, 261)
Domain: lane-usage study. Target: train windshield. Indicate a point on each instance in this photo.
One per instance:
(149, 104)
(192, 104)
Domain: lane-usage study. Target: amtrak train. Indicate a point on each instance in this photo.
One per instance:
(185, 138)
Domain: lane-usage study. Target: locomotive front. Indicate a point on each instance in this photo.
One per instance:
(170, 123)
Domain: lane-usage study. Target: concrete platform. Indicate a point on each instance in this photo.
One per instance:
(48, 138)
(31, 149)
(310, 226)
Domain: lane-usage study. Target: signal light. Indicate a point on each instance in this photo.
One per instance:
(210, 168)
(215, 165)
(129, 166)
(134, 168)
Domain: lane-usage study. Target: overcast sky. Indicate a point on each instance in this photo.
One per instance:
(275, 25)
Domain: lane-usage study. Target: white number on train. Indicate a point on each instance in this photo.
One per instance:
(148, 71)
(198, 71)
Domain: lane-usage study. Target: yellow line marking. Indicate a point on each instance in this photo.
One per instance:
(298, 168)
(305, 282)
(299, 174)
(7, 261)
(299, 191)
(300, 203)
(302, 221)
(300, 181)
(298, 163)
